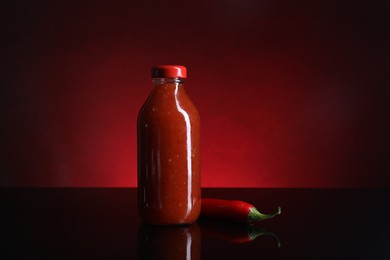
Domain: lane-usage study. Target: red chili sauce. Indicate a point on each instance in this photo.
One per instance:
(168, 152)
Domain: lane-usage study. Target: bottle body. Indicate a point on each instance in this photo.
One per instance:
(168, 131)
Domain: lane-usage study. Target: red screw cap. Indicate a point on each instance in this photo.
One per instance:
(169, 71)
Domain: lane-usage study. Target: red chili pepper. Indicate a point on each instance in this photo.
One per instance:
(233, 210)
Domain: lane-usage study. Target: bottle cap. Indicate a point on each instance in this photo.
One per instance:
(169, 71)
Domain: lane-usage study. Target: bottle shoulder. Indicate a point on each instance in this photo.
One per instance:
(163, 104)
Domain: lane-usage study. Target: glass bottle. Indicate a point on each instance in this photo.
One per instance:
(168, 130)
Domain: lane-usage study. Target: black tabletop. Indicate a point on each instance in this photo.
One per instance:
(65, 223)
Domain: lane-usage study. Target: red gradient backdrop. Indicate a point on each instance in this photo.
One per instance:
(291, 93)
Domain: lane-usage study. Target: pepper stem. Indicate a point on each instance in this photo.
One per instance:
(255, 215)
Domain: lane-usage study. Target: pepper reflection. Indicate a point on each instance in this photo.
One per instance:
(234, 232)
(169, 242)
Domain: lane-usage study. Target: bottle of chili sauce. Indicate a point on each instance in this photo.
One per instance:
(168, 151)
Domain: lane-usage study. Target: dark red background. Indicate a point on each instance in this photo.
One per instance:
(291, 93)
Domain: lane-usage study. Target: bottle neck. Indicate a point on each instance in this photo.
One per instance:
(164, 81)
(168, 87)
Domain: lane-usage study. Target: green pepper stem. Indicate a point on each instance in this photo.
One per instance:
(255, 215)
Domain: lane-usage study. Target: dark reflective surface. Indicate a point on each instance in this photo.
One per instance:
(167, 242)
(103, 223)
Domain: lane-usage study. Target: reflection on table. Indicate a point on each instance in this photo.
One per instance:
(103, 223)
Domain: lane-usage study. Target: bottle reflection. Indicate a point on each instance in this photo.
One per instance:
(169, 242)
